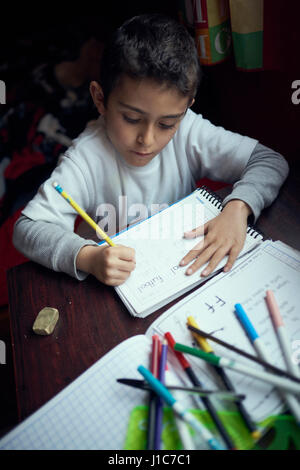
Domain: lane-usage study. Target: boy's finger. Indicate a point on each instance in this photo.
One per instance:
(126, 253)
(189, 257)
(201, 259)
(192, 254)
(126, 266)
(118, 274)
(218, 256)
(116, 281)
(196, 232)
(215, 260)
(231, 259)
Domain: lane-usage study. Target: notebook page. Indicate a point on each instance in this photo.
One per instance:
(93, 411)
(272, 266)
(159, 246)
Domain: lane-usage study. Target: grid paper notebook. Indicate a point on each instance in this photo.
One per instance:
(92, 412)
(159, 245)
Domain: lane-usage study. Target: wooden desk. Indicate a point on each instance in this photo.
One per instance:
(92, 318)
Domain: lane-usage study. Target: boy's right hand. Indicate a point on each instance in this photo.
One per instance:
(110, 265)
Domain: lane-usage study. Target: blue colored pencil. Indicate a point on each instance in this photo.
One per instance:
(177, 407)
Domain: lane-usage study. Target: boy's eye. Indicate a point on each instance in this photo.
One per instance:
(130, 120)
(166, 126)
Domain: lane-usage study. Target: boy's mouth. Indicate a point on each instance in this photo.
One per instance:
(140, 154)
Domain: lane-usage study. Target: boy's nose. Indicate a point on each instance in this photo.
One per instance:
(146, 136)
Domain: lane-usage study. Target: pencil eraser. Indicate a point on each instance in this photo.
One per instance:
(45, 321)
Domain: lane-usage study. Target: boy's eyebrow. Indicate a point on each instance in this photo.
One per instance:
(137, 110)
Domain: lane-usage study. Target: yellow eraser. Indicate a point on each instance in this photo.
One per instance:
(45, 321)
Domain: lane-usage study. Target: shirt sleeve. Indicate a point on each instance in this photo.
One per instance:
(49, 245)
(50, 206)
(45, 231)
(261, 179)
(214, 152)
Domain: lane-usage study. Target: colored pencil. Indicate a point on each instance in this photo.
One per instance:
(280, 382)
(159, 404)
(291, 400)
(282, 333)
(152, 396)
(205, 346)
(221, 394)
(205, 400)
(178, 408)
(83, 214)
(182, 428)
(263, 363)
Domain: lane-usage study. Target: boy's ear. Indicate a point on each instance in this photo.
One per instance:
(98, 96)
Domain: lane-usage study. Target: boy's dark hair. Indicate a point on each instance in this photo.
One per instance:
(151, 46)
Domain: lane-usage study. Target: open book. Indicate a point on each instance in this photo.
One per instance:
(94, 411)
(159, 245)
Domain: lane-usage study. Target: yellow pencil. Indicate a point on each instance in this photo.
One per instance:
(204, 345)
(83, 214)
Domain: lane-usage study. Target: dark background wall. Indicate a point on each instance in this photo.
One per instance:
(257, 103)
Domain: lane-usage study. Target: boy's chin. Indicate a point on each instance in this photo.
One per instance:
(136, 160)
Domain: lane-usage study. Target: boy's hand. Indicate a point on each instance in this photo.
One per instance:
(224, 235)
(110, 265)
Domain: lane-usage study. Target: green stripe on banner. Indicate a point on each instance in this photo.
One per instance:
(220, 41)
(248, 50)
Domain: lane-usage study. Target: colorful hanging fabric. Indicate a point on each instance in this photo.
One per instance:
(211, 22)
(248, 30)
(247, 33)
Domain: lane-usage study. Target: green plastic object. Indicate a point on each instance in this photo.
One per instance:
(280, 432)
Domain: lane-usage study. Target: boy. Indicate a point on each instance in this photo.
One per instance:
(149, 146)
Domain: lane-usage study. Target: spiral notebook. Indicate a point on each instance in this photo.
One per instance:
(159, 245)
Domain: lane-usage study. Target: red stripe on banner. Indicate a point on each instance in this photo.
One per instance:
(200, 14)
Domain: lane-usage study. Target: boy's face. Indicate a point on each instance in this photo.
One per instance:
(141, 117)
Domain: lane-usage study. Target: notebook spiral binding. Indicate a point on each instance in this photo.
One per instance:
(211, 196)
(217, 201)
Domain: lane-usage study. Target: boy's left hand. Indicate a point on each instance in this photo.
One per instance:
(223, 235)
